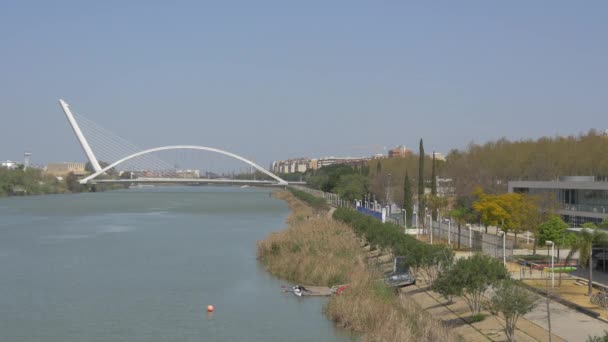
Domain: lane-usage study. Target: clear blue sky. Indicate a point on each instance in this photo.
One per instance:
(283, 79)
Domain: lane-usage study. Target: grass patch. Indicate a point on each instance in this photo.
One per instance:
(476, 318)
(317, 203)
(537, 257)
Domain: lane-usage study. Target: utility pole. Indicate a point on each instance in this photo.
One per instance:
(388, 190)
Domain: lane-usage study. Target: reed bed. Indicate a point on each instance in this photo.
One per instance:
(378, 313)
(317, 250)
(313, 250)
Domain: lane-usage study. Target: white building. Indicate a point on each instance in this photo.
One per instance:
(9, 164)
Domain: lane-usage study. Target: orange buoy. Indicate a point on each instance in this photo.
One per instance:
(210, 308)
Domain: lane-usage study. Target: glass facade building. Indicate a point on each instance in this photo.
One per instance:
(579, 199)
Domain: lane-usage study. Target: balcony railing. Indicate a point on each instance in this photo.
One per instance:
(588, 208)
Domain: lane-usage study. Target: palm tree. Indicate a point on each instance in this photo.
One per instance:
(585, 240)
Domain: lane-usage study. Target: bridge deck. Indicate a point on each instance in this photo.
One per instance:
(189, 181)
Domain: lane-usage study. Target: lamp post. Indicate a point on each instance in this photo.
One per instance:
(552, 265)
(430, 227)
(470, 236)
(504, 249)
(449, 231)
(415, 216)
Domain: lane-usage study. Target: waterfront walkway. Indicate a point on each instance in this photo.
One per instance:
(566, 322)
(490, 329)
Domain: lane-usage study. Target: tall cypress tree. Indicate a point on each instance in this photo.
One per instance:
(421, 203)
(408, 200)
(433, 187)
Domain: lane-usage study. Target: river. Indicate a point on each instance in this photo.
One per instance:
(142, 265)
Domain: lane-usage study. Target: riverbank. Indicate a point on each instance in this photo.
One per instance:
(316, 250)
(34, 182)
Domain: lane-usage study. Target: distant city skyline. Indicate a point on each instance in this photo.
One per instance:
(273, 81)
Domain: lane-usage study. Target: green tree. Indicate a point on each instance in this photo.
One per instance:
(555, 230)
(462, 214)
(583, 244)
(408, 201)
(421, 204)
(445, 286)
(352, 186)
(475, 275)
(512, 301)
(71, 181)
(433, 187)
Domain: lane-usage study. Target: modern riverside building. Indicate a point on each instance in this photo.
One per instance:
(581, 199)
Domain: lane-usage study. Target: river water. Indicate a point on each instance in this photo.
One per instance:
(142, 265)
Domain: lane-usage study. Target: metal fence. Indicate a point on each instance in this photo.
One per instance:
(471, 238)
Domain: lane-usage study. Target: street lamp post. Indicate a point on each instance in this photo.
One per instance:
(430, 227)
(552, 264)
(504, 248)
(415, 215)
(449, 231)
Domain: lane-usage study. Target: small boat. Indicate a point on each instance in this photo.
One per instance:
(399, 280)
(299, 290)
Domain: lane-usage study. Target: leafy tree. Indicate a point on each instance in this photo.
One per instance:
(408, 201)
(490, 211)
(475, 275)
(494, 163)
(555, 230)
(445, 286)
(583, 244)
(326, 178)
(512, 301)
(352, 186)
(462, 214)
(71, 181)
(437, 204)
(421, 204)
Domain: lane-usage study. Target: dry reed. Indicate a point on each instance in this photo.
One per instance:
(316, 250)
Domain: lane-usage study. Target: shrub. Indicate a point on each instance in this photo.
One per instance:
(512, 301)
(427, 260)
(478, 317)
(471, 277)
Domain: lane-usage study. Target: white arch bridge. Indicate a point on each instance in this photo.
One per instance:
(99, 171)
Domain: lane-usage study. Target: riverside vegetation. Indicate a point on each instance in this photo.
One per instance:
(33, 181)
(318, 250)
